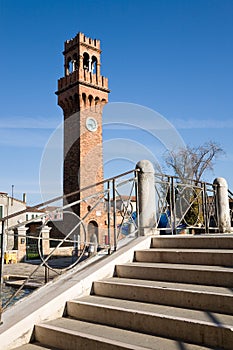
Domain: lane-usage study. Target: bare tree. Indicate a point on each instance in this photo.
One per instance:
(191, 162)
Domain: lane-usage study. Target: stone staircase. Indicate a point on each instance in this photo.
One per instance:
(176, 295)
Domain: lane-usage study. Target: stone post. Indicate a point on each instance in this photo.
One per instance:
(45, 230)
(146, 198)
(22, 241)
(222, 204)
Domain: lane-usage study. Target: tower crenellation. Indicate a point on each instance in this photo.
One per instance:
(82, 39)
(81, 72)
(86, 77)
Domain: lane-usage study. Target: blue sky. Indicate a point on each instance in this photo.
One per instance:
(172, 56)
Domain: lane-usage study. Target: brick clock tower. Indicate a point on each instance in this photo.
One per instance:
(82, 93)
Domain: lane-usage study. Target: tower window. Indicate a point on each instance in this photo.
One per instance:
(86, 62)
(71, 65)
(68, 66)
(75, 62)
(84, 99)
(97, 104)
(94, 65)
(90, 99)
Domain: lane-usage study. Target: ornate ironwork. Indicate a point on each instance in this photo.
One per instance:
(185, 207)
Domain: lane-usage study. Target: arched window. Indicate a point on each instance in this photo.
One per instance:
(94, 65)
(69, 66)
(84, 99)
(75, 62)
(97, 104)
(90, 100)
(92, 230)
(86, 61)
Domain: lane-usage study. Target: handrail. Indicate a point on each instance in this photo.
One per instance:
(186, 179)
(42, 204)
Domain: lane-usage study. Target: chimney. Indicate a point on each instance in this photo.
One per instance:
(24, 197)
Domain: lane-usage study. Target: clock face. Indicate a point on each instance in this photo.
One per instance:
(91, 124)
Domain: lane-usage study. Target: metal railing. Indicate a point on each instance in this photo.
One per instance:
(69, 242)
(185, 207)
(230, 196)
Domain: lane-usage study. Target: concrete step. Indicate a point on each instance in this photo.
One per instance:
(210, 241)
(198, 297)
(194, 274)
(70, 334)
(219, 257)
(162, 301)
(198, 327)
